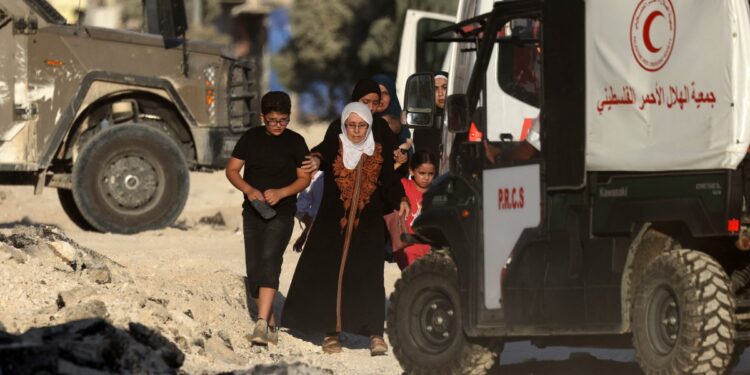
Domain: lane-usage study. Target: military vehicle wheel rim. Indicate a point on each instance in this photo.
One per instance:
(663, 320)
(130, 181)
(436, 326)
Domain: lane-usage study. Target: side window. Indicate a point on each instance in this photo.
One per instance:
(520, 63)
(430, 56)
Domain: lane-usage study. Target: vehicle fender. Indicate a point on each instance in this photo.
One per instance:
(97, 85)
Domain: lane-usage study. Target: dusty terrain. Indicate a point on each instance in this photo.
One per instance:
(186, 282)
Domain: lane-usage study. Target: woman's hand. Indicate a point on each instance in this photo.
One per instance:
(273, 196)
(311, 164)
(404, 209)
(401, 154)
(399, 158)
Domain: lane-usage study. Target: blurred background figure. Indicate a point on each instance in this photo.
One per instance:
(430, 139)
(308, 202)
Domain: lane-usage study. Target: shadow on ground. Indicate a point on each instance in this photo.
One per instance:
(577, 364)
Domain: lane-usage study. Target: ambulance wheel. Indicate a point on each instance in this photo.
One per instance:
(683, 315)
(424, 322)
(130, 178)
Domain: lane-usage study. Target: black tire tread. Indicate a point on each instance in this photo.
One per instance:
(68, 204)
(475, 359)
(131, 132)
(707, 343)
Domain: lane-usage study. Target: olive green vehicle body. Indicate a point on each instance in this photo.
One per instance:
(51, 74)
(62, 86)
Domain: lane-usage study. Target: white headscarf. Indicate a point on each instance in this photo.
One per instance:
(353, 151)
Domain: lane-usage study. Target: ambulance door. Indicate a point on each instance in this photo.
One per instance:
(416, 55)
(512, 185)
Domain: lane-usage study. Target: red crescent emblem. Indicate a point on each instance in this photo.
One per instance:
(647, 31)
(652, 57)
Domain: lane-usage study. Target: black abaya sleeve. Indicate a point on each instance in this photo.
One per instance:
(391, 189)
(328, 148)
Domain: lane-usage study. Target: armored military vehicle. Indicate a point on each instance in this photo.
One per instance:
(115, 120)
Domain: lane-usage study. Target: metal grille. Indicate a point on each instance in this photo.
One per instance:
(242, 96)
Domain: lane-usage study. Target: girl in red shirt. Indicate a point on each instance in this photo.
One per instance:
(422, 169)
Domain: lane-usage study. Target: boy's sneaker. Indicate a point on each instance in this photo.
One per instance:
(260, 333)
(273, 335)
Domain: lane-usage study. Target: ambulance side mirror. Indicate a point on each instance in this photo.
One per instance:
(419, 105)
(457, 113)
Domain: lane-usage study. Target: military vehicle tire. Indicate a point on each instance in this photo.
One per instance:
(424, 322)
(683, 315)
(68, 204)
(130, 178)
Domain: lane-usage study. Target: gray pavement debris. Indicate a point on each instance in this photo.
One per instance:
(181, 224)
(86, 310)
(91, 346)
(216, 220)
(227, 340)
(74, 296)
(64, 250)
(9, 252)
(21, 240)
(154, 340)
(100, 275)
(217, 348)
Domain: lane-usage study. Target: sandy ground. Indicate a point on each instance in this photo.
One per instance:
(198, 268)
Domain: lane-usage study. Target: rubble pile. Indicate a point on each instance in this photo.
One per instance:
(75, 307)
(88, 345)
(51, 280)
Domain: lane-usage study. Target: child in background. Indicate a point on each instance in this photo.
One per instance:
(422, 168)
(308, 202)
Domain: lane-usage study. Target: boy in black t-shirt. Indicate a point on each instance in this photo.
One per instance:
(272, 156)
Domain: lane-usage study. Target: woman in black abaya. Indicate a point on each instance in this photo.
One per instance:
(338, 283)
